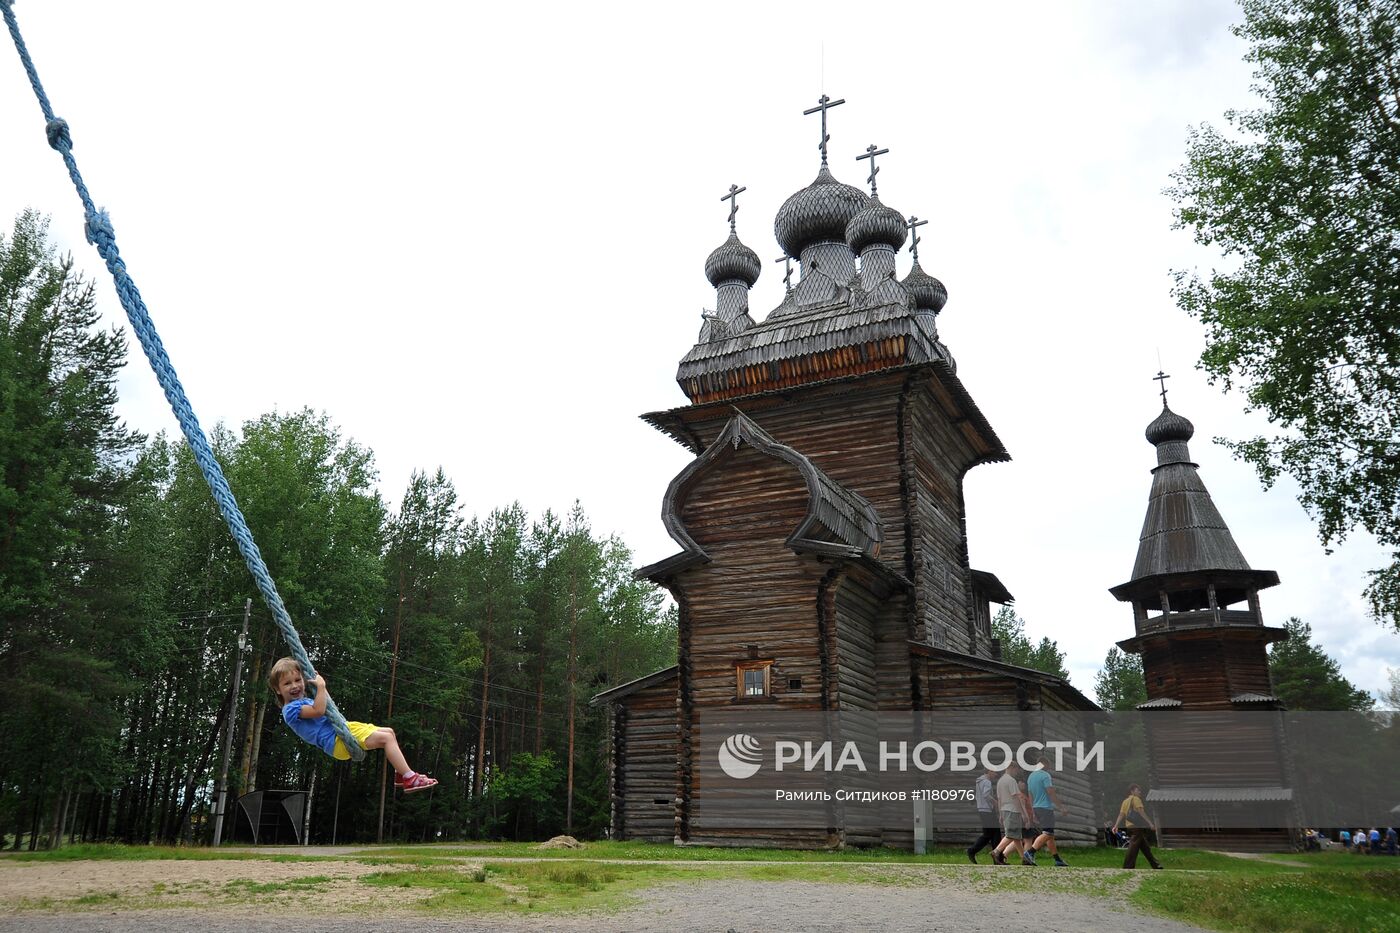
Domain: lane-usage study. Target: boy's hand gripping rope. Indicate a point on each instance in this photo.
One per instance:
(100, 234)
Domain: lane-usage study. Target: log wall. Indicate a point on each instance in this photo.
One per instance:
(1204, 669)
(756, 599)
(898, 441)
(645, 769)
(833, 629)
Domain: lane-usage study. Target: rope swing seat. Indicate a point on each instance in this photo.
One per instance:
(98, 228)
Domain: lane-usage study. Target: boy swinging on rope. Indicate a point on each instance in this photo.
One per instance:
(307, 718)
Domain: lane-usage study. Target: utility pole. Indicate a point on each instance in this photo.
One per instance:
(389, 714)
(335, 826)
(232, 715)
(306, 817)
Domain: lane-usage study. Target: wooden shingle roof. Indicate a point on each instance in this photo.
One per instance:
(944, 382)
(1183, 532)
(804, 345)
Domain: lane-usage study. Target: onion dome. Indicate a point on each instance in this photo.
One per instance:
(876, 224)
(817, 213)
(1169, 426)
(732, 260)
(928, 293)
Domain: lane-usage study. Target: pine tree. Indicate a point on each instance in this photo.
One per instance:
(1119, 684)
(1306, 678)
(1016, 647)
(63, 486)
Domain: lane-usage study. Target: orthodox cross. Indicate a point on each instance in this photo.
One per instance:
(824, 104)
(787, 276)
(914, 225)
(733, 198)
(1161, 379)
(870, 153)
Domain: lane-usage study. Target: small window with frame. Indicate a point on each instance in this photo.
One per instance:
(753, 679)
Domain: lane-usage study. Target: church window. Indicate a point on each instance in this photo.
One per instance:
(753, 679)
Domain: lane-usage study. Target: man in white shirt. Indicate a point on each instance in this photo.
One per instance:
(1009, 803)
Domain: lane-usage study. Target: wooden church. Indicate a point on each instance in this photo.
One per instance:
(823, 560)
(1218, 776)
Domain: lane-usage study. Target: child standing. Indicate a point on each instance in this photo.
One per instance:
(307, 719)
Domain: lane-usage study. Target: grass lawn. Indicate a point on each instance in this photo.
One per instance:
(1314, 891)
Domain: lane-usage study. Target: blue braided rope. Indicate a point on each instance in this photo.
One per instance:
(100, 234)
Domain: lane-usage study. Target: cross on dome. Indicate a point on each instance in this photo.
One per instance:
(1161, 379)
(914, 225)
(824, 104)
(733, 198)
(787, 274)
(870, 153)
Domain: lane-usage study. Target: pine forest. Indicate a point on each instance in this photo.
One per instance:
(479, 639)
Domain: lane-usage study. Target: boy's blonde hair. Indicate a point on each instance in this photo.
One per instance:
(274, 676)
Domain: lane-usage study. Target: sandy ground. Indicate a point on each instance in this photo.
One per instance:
(213, 892)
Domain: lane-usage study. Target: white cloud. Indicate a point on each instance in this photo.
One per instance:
(475, 237)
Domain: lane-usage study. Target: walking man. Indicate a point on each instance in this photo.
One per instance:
(987, 813)
(1009, 805)
(1045, 803)
(1133, 816)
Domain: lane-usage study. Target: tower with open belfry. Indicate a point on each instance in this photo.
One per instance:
(1200, 632)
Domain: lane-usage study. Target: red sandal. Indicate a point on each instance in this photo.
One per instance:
(416, 783)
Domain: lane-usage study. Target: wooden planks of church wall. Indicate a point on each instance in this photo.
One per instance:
(756, 599)
(645, 764)
(897, 441)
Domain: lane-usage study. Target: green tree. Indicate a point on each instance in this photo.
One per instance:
(525, 796)
(1009, 630)
(430, 650)
(1389, 698)
(64, 488)
(1119, 684)
(1304, 198)
(499, 565)
(1306, 678)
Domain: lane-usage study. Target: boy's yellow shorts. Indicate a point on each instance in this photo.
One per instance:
(360, 730)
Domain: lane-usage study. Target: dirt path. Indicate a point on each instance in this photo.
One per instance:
(211, 892)
(711, 907)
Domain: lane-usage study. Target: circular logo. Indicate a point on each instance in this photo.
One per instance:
(740, 756)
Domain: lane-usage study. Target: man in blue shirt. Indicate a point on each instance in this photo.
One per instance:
(1046, 804)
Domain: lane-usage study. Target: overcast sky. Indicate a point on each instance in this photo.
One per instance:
(475, 237)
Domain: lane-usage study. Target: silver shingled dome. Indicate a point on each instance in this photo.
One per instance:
(876, 224)
(818, 213)
(929, 294)
(732, 260)
(1169, 426)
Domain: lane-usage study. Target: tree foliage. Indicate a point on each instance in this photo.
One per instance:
(1389, 698)
(67, 582)
(479, 640)
(1009, 630)
(1306, 678)
(1119, 684)
(1304, 198)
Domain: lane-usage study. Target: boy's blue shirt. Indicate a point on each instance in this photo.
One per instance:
(318, 730)
(1037, 784)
